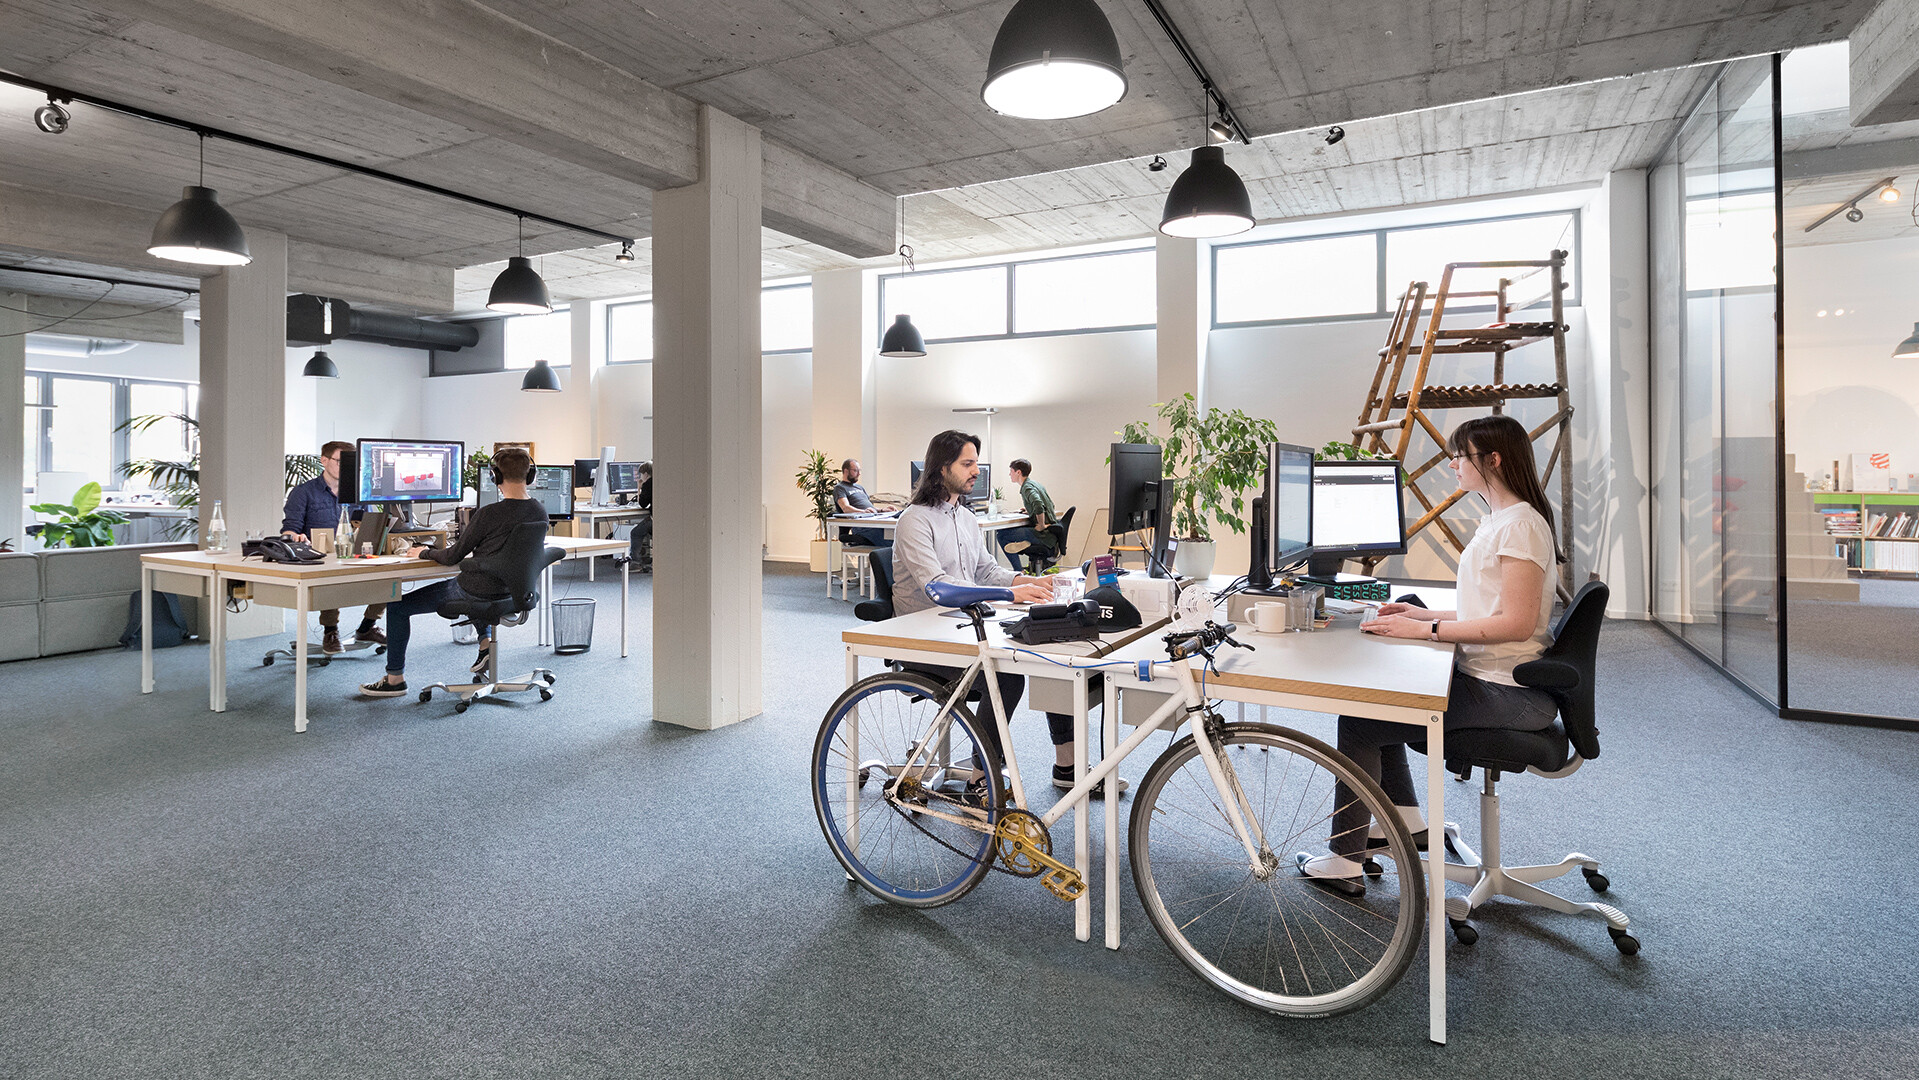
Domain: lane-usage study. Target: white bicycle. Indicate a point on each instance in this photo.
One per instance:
(913, 808)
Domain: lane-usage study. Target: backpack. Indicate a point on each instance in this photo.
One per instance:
(169, 622)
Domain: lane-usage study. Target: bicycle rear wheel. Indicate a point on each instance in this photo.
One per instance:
(1273, 939)
(898, 847)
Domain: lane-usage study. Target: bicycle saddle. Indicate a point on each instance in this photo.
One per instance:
(948, 595)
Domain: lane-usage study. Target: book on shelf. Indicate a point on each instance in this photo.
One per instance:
(1840, 520)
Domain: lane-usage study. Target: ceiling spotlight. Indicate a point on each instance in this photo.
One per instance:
(1889, 194)
(1334, 134)
(626, 252)
(1855, 215)
(1053, 59)
(1158, 164)
(1220, 130)
(52, 118)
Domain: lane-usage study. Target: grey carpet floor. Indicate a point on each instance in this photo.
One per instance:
(569, 889)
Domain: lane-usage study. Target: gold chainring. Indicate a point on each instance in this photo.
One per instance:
(1026, 850)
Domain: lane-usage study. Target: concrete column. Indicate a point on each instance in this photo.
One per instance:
(589, 333)
(14, 468)
(243, 402)
(844, 395)
(1611, 425)
(1184, 271)
(706, 371)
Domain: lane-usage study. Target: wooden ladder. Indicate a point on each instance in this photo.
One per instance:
(1392, 416)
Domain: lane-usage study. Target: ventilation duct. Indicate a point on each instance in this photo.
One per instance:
(314, 320)
(61, 345)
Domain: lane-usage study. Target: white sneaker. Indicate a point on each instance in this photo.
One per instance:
(1333, 871)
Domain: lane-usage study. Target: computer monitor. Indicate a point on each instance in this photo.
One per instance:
(1289, 504)
(1133, 490)
(552, 488)
(397, 471)
(584, 471)
(488, 491)
(918, 467)
(1358, 512)
(982, 486)
(623, 478)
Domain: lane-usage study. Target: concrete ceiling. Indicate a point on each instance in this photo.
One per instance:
(887, 95)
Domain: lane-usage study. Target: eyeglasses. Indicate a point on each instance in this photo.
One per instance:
(1456, 457)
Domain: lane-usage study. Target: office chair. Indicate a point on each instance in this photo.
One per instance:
(1059, 531)
(880, 608)
(520, 564)
(1566, 672)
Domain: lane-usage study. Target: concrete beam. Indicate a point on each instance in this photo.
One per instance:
(1895, 155)
(127, 322)
(1885, 64)
(49, 223)
(14, 467)
(818, 203)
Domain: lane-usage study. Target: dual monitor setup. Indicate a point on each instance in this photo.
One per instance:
(1319, 513)
(397, 473)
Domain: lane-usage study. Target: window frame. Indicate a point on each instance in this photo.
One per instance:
(122, 439)
(1012, 304)
(606, 329)
(1386, 305)
(506, 363)
(808, 347)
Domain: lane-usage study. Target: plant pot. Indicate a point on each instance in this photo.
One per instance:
(816, 556)
(1194, 558)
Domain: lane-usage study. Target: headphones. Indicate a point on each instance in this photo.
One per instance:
(500, 477)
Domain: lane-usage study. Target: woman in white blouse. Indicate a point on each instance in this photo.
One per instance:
(1502, 622)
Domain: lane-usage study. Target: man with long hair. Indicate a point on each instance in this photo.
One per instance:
(939, 539)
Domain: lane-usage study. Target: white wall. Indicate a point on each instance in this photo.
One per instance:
(378, 395)
(786, 432)
(1844, 392)
(483, 409)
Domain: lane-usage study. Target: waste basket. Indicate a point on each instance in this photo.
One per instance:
(572, 624)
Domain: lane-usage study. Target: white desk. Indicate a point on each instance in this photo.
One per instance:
(591, 516)
(1335, 670)
(580, 547)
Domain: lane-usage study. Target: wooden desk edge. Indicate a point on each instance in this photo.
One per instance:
(1328, 690)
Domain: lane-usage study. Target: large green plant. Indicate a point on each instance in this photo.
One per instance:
(180, 480)
(81, 524)
(1345, 451)
(816, 479)
(1213, 460)
(477, 462)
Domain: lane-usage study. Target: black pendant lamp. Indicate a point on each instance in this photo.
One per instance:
(903, 338)
(518, 290)
(197, 229)
(321, 367)
(1208, 199)
(541, 379)
(1909, 348)
(1053, 59)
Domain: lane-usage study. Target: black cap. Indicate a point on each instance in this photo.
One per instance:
(1115, 611)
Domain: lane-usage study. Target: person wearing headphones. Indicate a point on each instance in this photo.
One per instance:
(486, 534)
(316, 505)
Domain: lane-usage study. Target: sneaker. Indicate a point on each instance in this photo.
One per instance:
(1063, 780)
(1336, 872)
(370, 633)
(383, 687)
(330, 640)
(479, 662)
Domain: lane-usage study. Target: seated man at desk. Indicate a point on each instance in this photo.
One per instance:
(850, 498)
(939, 539)
(642, 549)
(316, 505)
(1036, 542)
(486, 534)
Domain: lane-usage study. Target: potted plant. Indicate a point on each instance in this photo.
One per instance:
(1213, 460)
(816, 478)
(81, 524)
(180, 480)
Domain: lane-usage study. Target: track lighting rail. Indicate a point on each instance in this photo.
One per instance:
(1220, 106)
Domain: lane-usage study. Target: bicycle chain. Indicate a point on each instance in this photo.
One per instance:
(992, 863)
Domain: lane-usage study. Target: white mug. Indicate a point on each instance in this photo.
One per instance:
(1269, 617)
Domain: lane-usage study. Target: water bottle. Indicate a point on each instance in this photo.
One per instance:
(217, 530)
(343, 535)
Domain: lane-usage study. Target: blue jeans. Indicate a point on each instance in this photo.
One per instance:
(1041, 540)
(399, 618)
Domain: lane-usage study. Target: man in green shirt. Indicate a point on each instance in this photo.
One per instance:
(1039, 542)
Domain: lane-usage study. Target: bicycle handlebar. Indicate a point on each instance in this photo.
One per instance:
(1194, 642)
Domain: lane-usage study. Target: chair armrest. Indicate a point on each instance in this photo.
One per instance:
(1547, 673)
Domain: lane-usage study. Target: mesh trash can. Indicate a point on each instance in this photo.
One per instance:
(572, 624)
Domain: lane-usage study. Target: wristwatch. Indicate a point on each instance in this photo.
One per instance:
(1434, 632)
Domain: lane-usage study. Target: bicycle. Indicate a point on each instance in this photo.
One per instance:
(915, 811)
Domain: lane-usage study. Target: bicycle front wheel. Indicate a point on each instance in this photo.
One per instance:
(1270, 937)
(906, 846)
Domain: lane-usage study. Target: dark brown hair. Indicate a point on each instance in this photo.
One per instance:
(515, 465)
(1021, 466)
(1506, 437)
(945, 449)
(336, 446)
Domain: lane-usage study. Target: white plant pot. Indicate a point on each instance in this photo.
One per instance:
(1194, 558)
(816, 556)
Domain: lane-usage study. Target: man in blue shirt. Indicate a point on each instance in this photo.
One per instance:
(316, 505)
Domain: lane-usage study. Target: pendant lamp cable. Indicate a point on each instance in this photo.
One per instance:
(203, 159)
(906, 250)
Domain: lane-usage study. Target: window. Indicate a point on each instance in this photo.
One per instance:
(629, 332)
(80, 429)
(35, 435)
(83, 432)
(786, 319)
(1422, 254)
(539, 337)
(1729, 241)
(1297, 279)
(948, 304)
(1085, 293)
(163, 441)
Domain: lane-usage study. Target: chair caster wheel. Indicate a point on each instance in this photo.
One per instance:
(378, 649)
(461, 707)
(426, 696)
(324, 663)
(268, 662)
(1597, 880)
(1464, 931)
(546, 695)
(1372, 868)
(1628, 945)
(548, 678)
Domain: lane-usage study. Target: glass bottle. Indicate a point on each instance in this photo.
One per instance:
(343, 535)
(217, 530)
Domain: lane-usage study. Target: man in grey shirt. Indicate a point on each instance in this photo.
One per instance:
(850, 498)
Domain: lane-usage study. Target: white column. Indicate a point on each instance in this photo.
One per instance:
(14, 468)
(706, 370)
(1611, 422)
(844, 413)
(243, 401)
(588, 342)
(1183, 272)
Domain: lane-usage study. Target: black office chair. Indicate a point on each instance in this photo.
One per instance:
(1566, 672)
(1059, 531)
(880, 608)
(519, 565)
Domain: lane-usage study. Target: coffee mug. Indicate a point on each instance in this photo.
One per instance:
(1269, 617)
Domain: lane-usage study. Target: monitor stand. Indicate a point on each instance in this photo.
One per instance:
(1324, 570)
(403, 522)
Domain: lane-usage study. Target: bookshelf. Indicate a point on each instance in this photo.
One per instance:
(1850, 514)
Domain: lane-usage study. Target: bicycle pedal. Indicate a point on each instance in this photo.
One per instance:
(1065, 884)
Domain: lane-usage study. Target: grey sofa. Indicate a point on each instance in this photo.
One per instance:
(69, 599)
